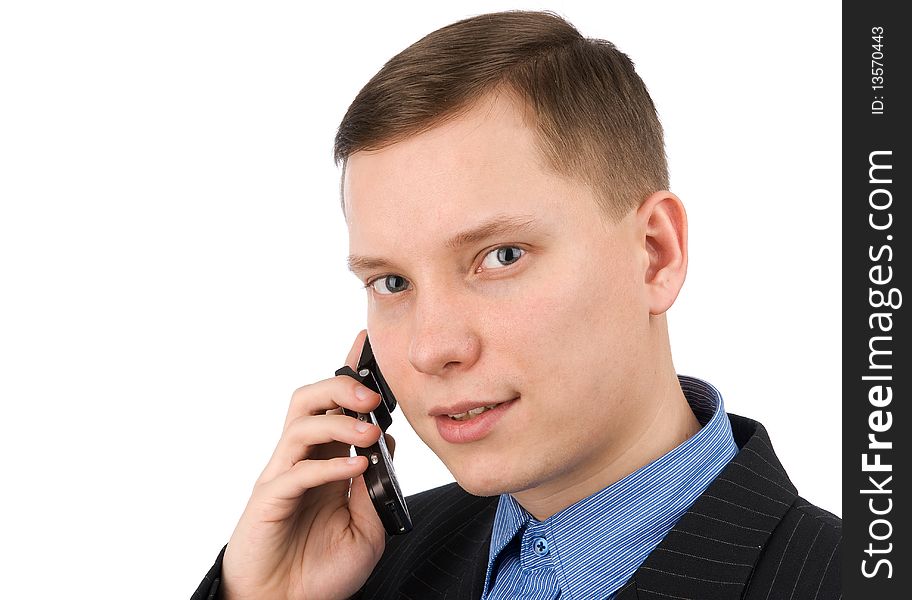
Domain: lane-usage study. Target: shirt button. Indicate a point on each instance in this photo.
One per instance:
(540, 546)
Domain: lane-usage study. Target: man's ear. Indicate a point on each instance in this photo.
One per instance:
(662, 225)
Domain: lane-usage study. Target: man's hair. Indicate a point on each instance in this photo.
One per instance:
(593, 116)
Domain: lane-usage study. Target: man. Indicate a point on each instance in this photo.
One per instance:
(506, 194)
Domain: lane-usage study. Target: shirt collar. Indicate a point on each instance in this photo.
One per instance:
(597, 543)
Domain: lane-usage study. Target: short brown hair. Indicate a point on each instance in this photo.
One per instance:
(595, 118)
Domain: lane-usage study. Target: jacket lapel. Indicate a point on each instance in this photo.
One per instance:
(711, 552)
(455, 570)
(471, 586)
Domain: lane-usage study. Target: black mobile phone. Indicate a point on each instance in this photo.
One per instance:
(380, 477)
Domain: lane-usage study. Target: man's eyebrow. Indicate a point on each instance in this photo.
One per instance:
(499, 225)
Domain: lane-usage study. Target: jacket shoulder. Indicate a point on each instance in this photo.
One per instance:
(802, 558)
(817, 513)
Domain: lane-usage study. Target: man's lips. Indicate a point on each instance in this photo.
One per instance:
(465, 406)
(469, 428)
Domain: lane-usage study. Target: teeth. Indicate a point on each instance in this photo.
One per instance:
(472, 413)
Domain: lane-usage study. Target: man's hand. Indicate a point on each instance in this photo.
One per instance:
(308, 530)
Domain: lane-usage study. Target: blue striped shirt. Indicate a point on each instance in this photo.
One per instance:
(591, 548)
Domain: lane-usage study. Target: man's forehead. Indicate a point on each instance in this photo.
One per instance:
(492, 135)
(447, 216)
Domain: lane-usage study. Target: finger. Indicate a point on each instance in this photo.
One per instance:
(329, 394)
(305, 434)
(355, 353)
(283, 493)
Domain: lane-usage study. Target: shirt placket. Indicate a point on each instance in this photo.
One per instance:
(537, 562)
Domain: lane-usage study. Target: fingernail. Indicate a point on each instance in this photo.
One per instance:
(362, 392)
(361, 426)
(352, 460)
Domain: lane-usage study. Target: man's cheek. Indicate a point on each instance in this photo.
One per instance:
(407, 412)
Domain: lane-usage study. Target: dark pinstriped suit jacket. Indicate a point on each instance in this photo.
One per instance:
(749, 535)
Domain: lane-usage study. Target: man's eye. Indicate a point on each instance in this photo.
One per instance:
(501, 257)
(497, 258)
(389, 284)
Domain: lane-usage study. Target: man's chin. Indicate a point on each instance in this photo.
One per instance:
(484, 489)
(479, 481)
(485, 473)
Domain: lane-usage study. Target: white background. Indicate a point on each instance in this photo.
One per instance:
(172, 251)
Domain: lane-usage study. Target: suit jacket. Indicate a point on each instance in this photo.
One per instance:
(748, 536)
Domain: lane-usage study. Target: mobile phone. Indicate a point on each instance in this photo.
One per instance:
(380, 477)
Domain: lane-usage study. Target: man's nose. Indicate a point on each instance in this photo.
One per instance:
(444, 336)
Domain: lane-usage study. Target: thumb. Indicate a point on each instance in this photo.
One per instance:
(391, 445)
(364, 515)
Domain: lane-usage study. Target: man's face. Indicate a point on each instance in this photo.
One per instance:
(498, 282)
